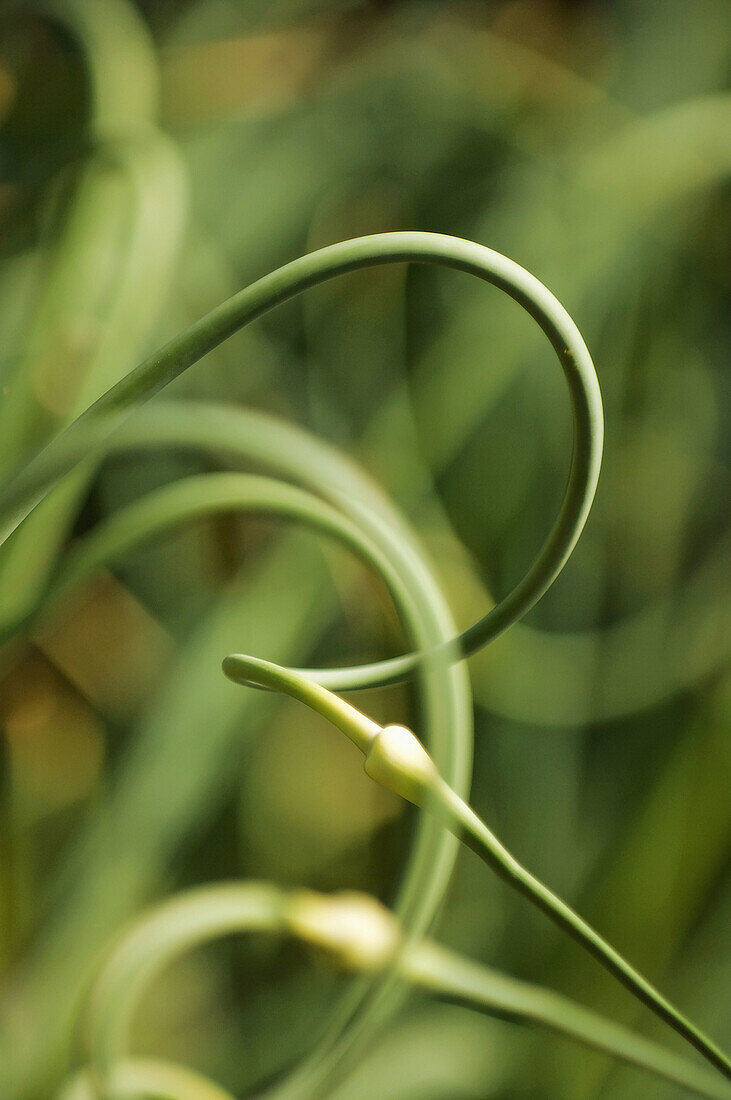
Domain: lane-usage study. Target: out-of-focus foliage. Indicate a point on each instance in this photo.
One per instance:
(154, 158)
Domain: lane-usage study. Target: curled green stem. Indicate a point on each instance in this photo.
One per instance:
(86, 435)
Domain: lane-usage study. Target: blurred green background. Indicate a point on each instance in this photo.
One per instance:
(156, 156)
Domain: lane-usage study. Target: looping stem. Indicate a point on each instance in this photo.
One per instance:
(88, 432)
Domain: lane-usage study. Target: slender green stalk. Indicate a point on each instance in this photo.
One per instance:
(87, 433)
(430, 966)
(355, 933)
(397, 759)
(465, 824)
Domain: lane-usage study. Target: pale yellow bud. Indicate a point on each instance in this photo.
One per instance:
(355, 931)
(397, 760)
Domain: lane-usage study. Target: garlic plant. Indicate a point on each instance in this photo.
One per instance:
(355, 932)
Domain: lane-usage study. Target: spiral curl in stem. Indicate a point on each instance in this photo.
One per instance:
(86, 434)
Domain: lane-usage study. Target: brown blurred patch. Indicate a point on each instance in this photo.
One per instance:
(8, 89)
(264, 71)
(106, 643)
(55, 741)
